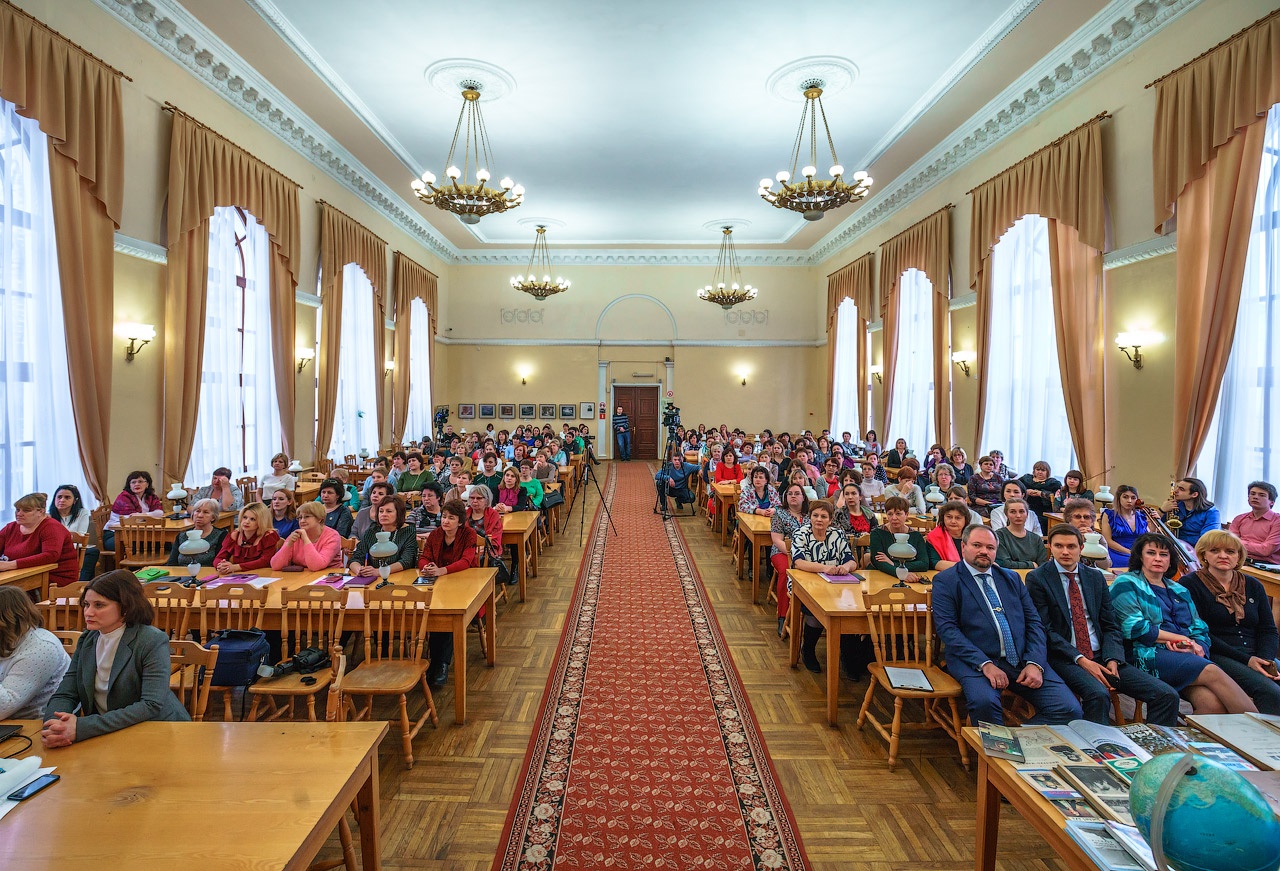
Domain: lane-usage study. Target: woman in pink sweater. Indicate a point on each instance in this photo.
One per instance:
(313, 546)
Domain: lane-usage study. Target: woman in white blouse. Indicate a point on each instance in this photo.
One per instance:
(68, 508)
(32, 661)
(279, 479)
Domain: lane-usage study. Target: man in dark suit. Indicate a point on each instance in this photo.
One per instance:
(1085, 644)
(993, 636)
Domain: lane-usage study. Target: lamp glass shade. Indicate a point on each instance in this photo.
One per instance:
(1104, 494)
(902, 549)
(934, 495)
(295, 466)
(384, 547)
(364, 453)
(177, 492)
(1093, 546)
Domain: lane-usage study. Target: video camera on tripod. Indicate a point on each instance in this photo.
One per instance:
(441, 417)
(671, 416)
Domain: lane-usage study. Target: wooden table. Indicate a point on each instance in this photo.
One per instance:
(520, 528)
(34, 578)
(174, 528)
(754, 533)
(306, 491)
(565, 474)
(553, 513)
(198, 796)
(726, 495)
(1271, 582)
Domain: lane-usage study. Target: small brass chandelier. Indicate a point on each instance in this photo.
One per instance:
(541, 258)
(470, 202)
(726, 289)
(813, 197)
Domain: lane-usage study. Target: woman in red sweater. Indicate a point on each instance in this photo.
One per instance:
(727, 470)
(451, 547)
(36, 539)
(251, 545)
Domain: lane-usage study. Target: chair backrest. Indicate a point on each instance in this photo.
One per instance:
(191, 674)
(348, 548)
(80, 542)
(877, 502)
(140, 540)
(325, 465)
(311, 476)
(351, 460)
(395, 622)
(68, 638)
(335, 710)
(98, 518)
(901, 622)
(63, 611)
(173, 605)
(248, 484)
(231, 606)
(412, 499)
(921, 524)
(311, 617)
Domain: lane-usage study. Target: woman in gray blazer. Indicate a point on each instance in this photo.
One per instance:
(119, 674)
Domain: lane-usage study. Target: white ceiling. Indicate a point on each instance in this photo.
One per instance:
(639, 124)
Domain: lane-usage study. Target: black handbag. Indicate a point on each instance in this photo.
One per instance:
(552, 498)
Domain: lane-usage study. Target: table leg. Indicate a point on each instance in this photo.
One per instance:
(522, 572)
(833, 673)
(755, 572)
(739, 555)
(988, 818)
(794, 623)
(537, 546)
(491, 629)
(367, 817)
(460, 666)
(723, 511)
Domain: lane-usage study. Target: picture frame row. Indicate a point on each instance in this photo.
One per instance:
(526, 411)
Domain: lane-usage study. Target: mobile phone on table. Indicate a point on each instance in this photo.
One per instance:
(33, 787)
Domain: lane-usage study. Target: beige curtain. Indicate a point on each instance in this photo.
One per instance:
(76, 100)
(207, 171)
(853, 281)
(1062, 182)
(412, 281)
(926, 245)
(343, 241)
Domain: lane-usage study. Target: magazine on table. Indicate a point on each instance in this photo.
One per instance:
(1055, 790)
(1103, 788)
(1044, 748)
(1253, 739)
(1106, 741)
(1133, 842)
(907, 679)
(1152, 739)
(1000, 742)
(1102, 846)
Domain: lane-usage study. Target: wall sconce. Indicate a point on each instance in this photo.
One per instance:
(963, 359)
(743, 372)
(878, 373)
(305, 356)
(390, 365)
(138, 335)
(1135, 339)
(524, 372)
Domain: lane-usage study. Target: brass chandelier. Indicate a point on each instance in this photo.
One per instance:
(470, 202)
(810, 196)
(726, 289)
(540, 257)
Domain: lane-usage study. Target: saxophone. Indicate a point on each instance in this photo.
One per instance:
(1171, 517)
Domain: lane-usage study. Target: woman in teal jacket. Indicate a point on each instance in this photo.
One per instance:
(1165, 636)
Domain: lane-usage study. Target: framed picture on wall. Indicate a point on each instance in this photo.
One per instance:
(488, 411)
(568, 412)
(547, 411)
(587, 410)
(527, 410)
(506, 410)
(466, 411)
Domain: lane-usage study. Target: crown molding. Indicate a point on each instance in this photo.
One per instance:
(967, 300)
(1115, 31)
(639, 343)
(632, 257)
(149, 251)
(305, 298)
(1157, 247)
(184, 38)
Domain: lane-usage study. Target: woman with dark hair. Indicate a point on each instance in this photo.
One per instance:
(819, 547)
(871, 444)
(761, 497)
(1168, 640)
(337, 516)
(448, 549)
(932, 460)
(985, 488)
(1122, 524)
(727, 470)
(415, 476)
(953, 517)
(67, 508)
(32, 661)
(1013, 489)
(119, 673)
(896, 512)
(36, 539)
(1197, 514)
(137, 497)
(1072, 488)
(793, 512)
(854, 518)
(391, 517)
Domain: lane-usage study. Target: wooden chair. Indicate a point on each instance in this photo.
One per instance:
(901, 622)
(232, 606)
(325, 465)
(173, 605)
(412, 499)
(309, 617)
(98, 519)
(395, 632)
(69, 640)
(348, 548)
(63, 611)
(336, 712)
(921, 524)
(351, 460)
(192, 673)
(81, 544)
(140, 542)
(248, 486)
(314, 477)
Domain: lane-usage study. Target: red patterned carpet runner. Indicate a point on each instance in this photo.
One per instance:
(646, 753)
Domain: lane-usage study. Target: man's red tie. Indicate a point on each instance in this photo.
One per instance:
(1079, 623)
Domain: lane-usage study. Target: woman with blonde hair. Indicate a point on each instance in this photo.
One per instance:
(32, 661)
(280, 477)
(251, 544)
(35, 539)
(312, 546)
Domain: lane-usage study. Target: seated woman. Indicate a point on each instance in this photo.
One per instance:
(312, 546)
(531, 486)
(284, 513)
(1003, 472)
(932, 460)
(819, 547)
(871, 443)
(727, 471)
(32, 661)
(893, 459)
(944, 476)
(985, 488)
(1017, 547)
(1166, 636)
(1013, 489)
(960, 493)
(854, 518)
(203, 514)
(337, 516)
(896, 511)
(797, 476)
(415, 476)
(907, 488)
(487, 524)
(1197, 513)
(1072, 488)
(960, 464)
(119, 673)
(1040, 487)
(36, 539)
(450, 548)
(831, 478)
(222, 491)
(426, 516)
(793, 512)
(508, 496)
(250, 545)
(1122, 524)
(67, 508)
(352, 492)
(1242, 631)
(953, 517)
(761, 497)
(391, 518)
(279, 478)
(872, 487)
(367, 517)
(137, 497)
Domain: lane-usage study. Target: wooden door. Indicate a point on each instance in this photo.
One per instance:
(642, 408)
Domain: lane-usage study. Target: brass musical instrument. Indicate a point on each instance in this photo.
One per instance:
(1171, 518)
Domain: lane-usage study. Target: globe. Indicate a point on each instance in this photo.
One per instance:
(1216, 820)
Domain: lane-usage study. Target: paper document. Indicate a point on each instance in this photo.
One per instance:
(908, 679)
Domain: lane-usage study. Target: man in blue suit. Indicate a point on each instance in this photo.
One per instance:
(994, 638)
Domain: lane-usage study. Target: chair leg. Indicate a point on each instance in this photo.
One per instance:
(253, 709)
(955, 727)
(348, 849)
(406, 731)
(866, 703)
(431, 702)
(226, 704)
(311, 707)
(895, 733)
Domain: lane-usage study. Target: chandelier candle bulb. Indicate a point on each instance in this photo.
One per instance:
(729, 287)
(540, 256)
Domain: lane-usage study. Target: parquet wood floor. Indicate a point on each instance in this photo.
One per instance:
(852, 813)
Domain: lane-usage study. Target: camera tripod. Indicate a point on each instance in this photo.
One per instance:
(589, 474)
(662, 503)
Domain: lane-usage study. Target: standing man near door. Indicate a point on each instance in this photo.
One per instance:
(622, 426)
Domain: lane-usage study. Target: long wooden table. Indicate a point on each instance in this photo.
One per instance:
(1271, 582)
(726, 495)
(754, 537)
(35, 578)
(521, 529)
(198, 796)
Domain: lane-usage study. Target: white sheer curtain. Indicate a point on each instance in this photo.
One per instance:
(418, 421)
(912, 416)
(844, 380)
(238, 422)
(1243, 444)
(1026, 412)
(38, 443)
(356, 423)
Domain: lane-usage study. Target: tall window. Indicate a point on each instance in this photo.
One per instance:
(238, 423)
(418, 421)
(844, 380)
(912, 415)
(38, 444)
(1026, 412)
(355, 425)
(1243, 443)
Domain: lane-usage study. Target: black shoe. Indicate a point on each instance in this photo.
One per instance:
(438, 674)
(782, 622)
(809, 648)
